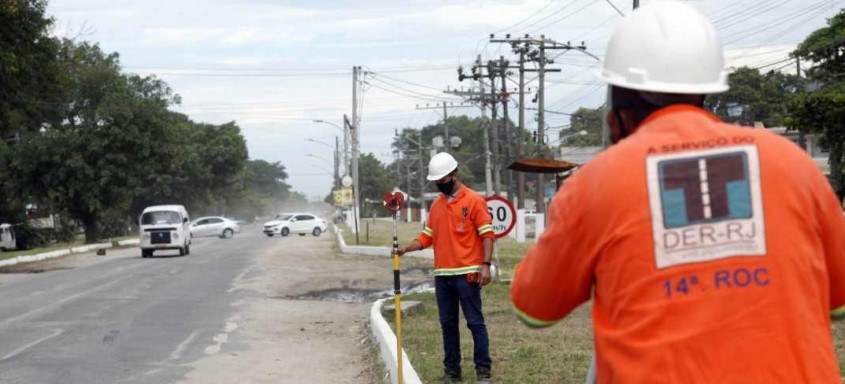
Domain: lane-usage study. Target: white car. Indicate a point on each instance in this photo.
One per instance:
(300, 223)
(214, 226)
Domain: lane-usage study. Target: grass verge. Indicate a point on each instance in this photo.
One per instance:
(58, 246)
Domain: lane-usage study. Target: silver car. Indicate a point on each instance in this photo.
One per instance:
(211, 226)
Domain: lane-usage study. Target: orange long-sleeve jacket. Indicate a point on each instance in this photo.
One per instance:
(455, 228)
(713, 254)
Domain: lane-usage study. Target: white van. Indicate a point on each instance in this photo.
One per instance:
(165, 227)
(7, 238)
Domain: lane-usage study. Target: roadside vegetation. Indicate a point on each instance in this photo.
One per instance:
(558, 354)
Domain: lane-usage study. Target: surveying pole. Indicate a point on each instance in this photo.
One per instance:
(394, 201)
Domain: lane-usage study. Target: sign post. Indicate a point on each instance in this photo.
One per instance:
(503, 214)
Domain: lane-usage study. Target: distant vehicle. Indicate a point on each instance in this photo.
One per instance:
(214, 226)
(300, 223)
(165, 227)
(7, 238)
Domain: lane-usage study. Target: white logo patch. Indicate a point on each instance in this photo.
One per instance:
(706, 205)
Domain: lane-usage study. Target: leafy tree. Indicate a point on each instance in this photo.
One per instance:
(267, 179)
(761, 96)
(93, 162)
(584, 119)
(29, 90)
(375, 181)
(823, 110)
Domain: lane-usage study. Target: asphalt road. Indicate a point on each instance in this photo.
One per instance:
(121, 318)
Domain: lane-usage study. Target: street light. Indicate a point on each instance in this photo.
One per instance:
(321, 142)
(320, 158)
(345, 133)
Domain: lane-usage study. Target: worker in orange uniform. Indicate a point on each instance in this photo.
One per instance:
(460, 230)
(713, 253)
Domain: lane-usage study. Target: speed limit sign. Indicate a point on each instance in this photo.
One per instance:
(502, 212)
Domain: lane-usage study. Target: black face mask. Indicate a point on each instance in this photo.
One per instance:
(447, 187)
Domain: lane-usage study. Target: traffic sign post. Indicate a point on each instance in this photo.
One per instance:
(503, 214)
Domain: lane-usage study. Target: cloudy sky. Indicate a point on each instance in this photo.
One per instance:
(275, 66)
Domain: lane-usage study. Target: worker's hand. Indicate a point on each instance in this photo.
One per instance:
(484, 275)
(402, 250)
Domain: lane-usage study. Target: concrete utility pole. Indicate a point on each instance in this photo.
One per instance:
(355, 128)
(506, 121)
(521, 140)
(336, 163)
(494, 129)
(421, 176)
(541, 123)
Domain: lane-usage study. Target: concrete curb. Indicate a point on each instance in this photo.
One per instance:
(64, 252)
(387, 347)
(381, 330)
(376, 251)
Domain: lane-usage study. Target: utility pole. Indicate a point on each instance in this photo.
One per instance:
(522, 50)
(421, 175)
(356, 210)
(506, 121)
(336, 162)
(494, 129)
(346, 159)
(541, 121)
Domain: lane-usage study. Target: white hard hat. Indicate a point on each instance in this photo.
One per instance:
(441, 165)
(665, 46)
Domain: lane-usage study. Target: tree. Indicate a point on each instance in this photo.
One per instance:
(94, 161)
(755, 96)
(588, 120)
(823, 110)
(29, 89)
(374, 182)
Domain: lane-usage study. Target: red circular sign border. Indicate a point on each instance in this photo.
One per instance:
(513, 211)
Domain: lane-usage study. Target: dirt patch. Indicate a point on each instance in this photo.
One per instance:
(29, 268)
(305, 320)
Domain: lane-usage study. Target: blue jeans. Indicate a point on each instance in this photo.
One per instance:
(450, 291)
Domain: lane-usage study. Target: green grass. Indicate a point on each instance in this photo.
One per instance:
(558, 354)
(381, 232)
(79, 241)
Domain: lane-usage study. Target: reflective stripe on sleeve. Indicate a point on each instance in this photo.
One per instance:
(533, 322)
(485, 228)
(428, 232)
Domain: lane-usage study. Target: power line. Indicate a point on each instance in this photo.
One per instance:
(564, 17)
(614, 7)
(543, 8)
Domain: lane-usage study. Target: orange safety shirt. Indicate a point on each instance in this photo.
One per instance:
(714, 254)
(456, 227)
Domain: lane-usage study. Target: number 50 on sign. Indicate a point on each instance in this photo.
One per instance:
(502, 213)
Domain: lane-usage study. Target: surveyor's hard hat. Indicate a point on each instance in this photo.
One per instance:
(441, 165)
(665, 46)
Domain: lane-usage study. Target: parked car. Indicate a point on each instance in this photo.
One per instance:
(211, 226)
(300, 223)
(164, 227)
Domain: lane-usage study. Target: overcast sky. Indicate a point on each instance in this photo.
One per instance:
(274, 66)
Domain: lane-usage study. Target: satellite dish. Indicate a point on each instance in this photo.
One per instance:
(346, 180)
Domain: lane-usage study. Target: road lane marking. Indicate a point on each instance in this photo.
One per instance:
(18, 351)
(56, 304)
(177, 353)
(238, 278)
(221, 338)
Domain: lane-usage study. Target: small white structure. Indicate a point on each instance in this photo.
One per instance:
(7, 237)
